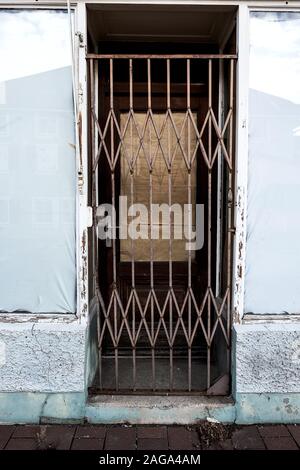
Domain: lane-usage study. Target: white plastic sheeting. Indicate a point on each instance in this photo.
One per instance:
(37, 163)
(273, 223)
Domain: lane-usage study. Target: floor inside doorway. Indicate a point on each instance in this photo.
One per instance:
(144, 374)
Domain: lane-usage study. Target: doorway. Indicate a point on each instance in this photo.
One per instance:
(159, 141)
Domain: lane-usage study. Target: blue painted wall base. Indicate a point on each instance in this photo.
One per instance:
(30, 407)
(253, 408)
(22, 407)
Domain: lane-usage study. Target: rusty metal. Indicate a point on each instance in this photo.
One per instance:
(210, 315)
(162, 56)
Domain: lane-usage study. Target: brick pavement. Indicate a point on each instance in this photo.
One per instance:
(98, 437)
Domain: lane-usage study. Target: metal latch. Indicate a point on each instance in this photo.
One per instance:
(89, 216)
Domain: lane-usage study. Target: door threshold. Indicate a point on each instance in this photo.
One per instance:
(117, 409)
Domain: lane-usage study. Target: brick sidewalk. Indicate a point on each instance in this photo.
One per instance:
(203, 436)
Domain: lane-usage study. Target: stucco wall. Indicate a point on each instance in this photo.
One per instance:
(46, 356)
(267, 358)
(45, 368)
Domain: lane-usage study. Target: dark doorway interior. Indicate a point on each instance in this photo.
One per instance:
(164, 321)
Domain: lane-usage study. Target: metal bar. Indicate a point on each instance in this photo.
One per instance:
(220, 185)
(131, 169)
(94, 201)
(95, 168)
(209, 224)
(151, 163)
(162, 56)
(188, 84)
(230, 205)
(149, 84)
(93, 153)
(169, 159)
(189, 189)
(168, 86)
(113, 201)
(130, 85)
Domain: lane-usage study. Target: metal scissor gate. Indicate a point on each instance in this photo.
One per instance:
(161, 140)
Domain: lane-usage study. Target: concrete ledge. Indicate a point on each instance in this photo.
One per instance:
(72, 408)
(247, 409)
(158, 409)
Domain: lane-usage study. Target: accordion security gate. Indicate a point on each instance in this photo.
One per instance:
(164, 312)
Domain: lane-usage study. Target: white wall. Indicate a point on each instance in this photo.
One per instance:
(44, 356)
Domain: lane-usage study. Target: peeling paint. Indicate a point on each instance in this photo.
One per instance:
(84, 308)
(43, 357)
(50, 318)
(235, 316)
(239, 261)
(84, 271)
(240, 250)
(83, 243)
(264, 358)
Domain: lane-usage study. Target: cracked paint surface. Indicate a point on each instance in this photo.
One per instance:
(267, 358)
(44, 357)
(238, 274)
